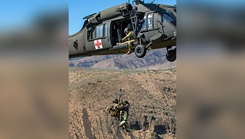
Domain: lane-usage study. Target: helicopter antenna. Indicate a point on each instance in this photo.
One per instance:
(152, 1)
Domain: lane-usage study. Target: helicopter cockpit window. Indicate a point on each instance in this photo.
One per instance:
(150, 20)
(167, 18)
(99, 31)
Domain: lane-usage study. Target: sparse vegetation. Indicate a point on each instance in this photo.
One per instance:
(151, 94)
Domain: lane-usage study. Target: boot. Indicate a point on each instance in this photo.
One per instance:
(122, 123)
(127, 130)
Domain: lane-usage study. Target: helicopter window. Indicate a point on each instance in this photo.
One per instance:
(99, 31)
(167, 18)
(150, 18)
(91, 33)
(105, 30)
(144, 23)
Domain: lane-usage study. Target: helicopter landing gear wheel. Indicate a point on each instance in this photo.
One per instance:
(140, 51)
(171, 55)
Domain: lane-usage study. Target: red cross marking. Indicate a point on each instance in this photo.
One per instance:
(98, 44)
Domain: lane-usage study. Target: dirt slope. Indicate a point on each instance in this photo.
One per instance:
(151, 94)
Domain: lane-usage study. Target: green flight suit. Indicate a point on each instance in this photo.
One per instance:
(129, 39)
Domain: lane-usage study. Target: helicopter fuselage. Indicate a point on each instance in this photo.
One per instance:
(154, 26)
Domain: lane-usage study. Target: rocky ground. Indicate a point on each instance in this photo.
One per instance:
(151, 94)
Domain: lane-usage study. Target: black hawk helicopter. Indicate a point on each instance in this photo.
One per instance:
(154, 27)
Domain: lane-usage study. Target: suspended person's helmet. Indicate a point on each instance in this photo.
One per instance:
(115, 101)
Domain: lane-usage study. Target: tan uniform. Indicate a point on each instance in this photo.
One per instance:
(113, 110)
(116, 109)
(129, 39)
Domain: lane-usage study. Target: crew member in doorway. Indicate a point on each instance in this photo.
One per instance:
(129, 38)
